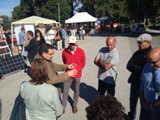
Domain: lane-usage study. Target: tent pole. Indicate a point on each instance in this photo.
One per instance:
(12, 37)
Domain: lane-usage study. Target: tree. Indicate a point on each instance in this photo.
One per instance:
(37, 6)
(143, 9)
(42, 8)
(113, 8)
(50, 10)
(117, 9)
(16, 13)
(6, 20)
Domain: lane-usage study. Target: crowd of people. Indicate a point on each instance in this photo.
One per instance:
(45, 82)
(45, 78)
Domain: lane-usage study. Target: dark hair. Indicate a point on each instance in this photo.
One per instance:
(38, 72)
(6, 29)
(105, 108)
(44, 48)
(30, 33)
(38, 31)
(22, 28)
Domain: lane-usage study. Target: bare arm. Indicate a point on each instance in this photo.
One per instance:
(101, 64)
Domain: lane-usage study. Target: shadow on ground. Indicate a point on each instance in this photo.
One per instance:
(87, 92)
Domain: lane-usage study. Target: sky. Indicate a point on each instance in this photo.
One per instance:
(6, 6)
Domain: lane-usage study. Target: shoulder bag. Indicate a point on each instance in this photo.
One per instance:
(58, 37)
(18, 111)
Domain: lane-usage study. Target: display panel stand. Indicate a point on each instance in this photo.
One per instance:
(4, 49)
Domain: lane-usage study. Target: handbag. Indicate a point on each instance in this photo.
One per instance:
(58, 37)
(18, 111)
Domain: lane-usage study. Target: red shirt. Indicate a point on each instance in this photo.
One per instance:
(78, 58)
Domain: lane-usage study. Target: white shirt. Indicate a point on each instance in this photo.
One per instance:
(51, 34)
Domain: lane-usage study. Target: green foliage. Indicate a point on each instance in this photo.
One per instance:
(16, 13)
(6, 20)
(43, 8)
(140, 9)
(117, 9)
(112, 8)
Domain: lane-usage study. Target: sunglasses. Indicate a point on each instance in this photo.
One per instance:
(72, 44)
(139, 42)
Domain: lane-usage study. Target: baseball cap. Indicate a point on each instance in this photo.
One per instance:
(145, 37)
(72, 39)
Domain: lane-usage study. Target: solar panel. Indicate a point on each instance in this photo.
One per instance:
(9, 65)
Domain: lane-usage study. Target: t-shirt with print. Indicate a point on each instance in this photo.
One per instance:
(112, 57)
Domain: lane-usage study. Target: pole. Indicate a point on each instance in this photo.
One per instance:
(59, 13)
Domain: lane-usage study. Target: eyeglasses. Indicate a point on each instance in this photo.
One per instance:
(154, 62)
(50, 54)
(72, 44)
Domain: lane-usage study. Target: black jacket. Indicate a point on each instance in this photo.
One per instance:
(8, 39)
(32, 49)
(135, 65)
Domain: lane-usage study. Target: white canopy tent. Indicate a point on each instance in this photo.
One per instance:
(31, 21)
(81, 17)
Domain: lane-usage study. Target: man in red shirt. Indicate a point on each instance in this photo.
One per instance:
(76, 55)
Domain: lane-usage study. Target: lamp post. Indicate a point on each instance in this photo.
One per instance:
(59, 13)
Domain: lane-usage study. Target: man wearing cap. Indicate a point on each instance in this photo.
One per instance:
(107, 60)
(135, 66)
(76, 55)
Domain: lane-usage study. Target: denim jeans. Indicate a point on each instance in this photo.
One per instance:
(63, 43)
(134, 95)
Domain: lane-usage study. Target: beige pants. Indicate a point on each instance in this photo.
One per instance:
(59, 45)
(73, 32)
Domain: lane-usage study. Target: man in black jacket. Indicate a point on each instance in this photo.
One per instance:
(135, 66)
(31, 45)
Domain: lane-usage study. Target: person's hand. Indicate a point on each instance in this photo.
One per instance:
(72, 73)
(72, 66)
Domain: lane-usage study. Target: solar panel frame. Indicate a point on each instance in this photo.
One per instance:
(10, 65)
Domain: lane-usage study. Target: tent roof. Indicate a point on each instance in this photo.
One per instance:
(81, 17)
(33, 20)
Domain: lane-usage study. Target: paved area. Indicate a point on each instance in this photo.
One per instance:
(126, 45)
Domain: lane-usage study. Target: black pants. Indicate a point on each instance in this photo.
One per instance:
(58, 86)
(103, 87)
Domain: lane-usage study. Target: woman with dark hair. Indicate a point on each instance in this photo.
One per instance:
(105, 108)
(41, 99)
(59, 41)
(39, 37)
